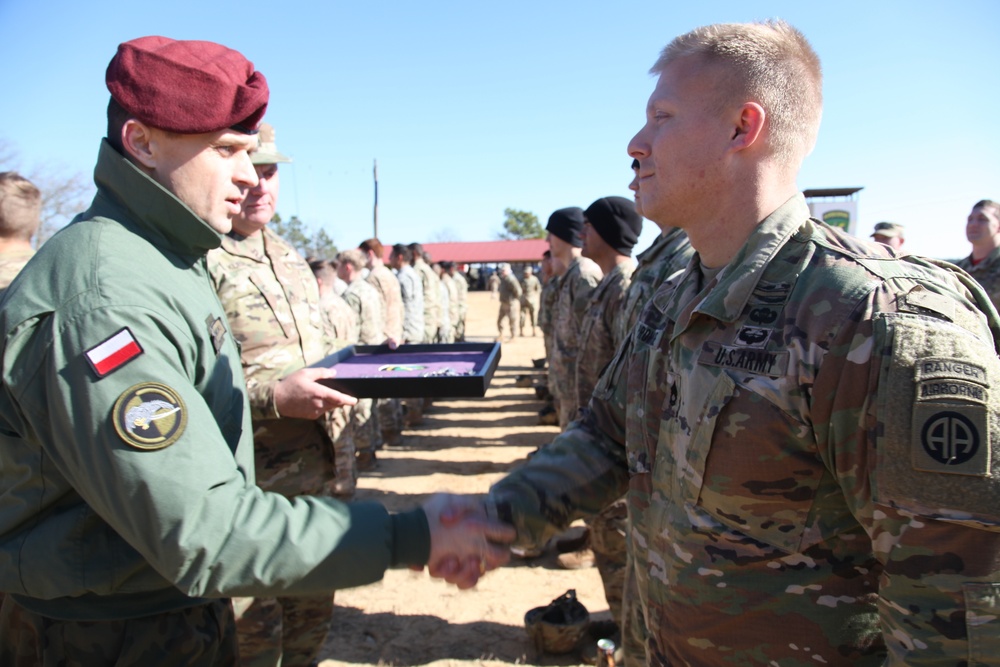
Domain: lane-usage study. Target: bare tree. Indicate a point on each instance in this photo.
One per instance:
(64, 192)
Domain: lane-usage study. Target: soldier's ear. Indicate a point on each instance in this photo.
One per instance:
(137, 140)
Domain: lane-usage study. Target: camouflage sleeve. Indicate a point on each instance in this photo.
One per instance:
(908, 422)
(261, 395)
(583, 287)
(577, 475)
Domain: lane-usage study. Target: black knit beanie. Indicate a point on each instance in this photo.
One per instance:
(567, 224)
(615, 220)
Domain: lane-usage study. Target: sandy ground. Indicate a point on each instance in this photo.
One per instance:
(463, 446)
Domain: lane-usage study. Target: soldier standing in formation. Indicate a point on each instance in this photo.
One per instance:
(20, 217)
(449, 305)
(983, 231)
(389, 410)
(578, 280)
(432, 293)
(412, 292)
(805, 423)
(531, 291)
(462, 290)
(366, 302)
(510, 301)
(272, 304)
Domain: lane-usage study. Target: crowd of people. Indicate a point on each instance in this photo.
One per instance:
(784, 439)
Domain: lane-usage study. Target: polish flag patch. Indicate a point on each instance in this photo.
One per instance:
(113, 353)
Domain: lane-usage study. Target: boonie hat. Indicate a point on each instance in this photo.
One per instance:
(267, 151)
(188, 87)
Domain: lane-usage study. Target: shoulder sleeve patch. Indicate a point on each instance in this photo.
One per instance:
(938, 415)
(150, 416)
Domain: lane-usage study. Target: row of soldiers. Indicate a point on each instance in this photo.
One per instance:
(592, 291)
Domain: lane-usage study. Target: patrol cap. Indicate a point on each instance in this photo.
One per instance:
(567, 224)
(267, 151)
(615, 220)
(889, 230)
(188, 87)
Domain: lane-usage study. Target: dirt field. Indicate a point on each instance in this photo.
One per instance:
(463, 446)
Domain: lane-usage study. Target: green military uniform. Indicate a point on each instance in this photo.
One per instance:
(412, 291)
(126, 467)
(389, 410)
(365, 301)
(531, 291)
(510, 304)
(809, 441)
(271, 300)
(575, 288)
(986, 273)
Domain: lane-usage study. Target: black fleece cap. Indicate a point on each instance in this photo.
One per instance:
(567, 224)
(615, 220)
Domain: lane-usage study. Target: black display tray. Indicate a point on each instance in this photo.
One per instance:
(413, 371)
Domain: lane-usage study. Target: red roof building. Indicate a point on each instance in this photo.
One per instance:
(485, 252)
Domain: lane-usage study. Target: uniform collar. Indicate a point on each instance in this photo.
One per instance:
(151, 206)
(737, 281)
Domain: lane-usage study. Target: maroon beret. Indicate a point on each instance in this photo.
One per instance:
(187, 87)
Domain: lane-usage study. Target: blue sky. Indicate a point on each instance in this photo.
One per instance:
(472, 107)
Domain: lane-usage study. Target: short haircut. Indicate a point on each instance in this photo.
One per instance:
(404, 252)
(988, 203)
(770, 63)
(322, 269)
(372, 245)
(353, 257)
(117, 115)
(447, 265)
(417, 250)
(20, 207)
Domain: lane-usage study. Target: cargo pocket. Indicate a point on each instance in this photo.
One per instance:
(752, 467)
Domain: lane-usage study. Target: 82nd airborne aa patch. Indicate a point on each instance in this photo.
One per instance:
(150, 416)
(950, 418)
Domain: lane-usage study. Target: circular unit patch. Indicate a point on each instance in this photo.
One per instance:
(150, 416)
(950, 438)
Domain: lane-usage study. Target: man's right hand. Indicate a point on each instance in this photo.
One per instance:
(301, 396)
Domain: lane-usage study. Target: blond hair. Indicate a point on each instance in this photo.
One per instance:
(353, 257)
(20, 207)
(770, 63)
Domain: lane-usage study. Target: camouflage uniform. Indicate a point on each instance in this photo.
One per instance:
(432, 299)
(531, 290)
(597, 347)
(412, 292)
(575, 287)
(272, 303)
(446, 331)
(546, 321)
(366, 303)
(667, 255)
(453, 305)
(510, 304)
(390, 410)
(11, 264)
(986, 273)
(806, 444)
(341, 317)
(462, 289)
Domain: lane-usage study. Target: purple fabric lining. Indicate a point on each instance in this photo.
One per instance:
(367, 365)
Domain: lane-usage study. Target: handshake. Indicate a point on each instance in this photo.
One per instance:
(465, 541)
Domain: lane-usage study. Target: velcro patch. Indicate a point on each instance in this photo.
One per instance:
(750, 360)
(150, 416)
(951, 438)
(950, 369)
(935, 390)
(113, 353)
